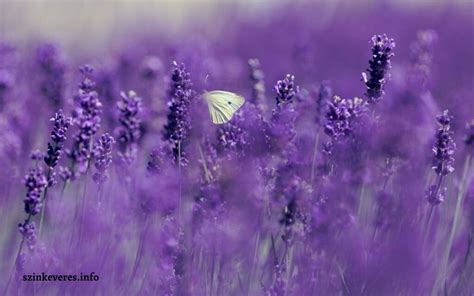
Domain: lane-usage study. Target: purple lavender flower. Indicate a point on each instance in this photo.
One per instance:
(28, 231)
(179, 123)
(156, 160)
(128, 133)
(421, 56)
(58, 136)
(443, 158)
(286, 91)
(52, 70)
(379, 65)
(338, 118)
(444, 148)
(86, 116)
(469, 137)
(65, 174)
(322, 101)
(151, 67)
(257, 77)
(35, 182)
(232, 137)
(102, 152)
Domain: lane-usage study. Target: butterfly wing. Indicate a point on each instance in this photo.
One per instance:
(222, 105)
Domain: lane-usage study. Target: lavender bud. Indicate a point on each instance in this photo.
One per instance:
(286, 90)
(58, 136)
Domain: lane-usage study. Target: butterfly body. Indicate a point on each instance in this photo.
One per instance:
(222, 105)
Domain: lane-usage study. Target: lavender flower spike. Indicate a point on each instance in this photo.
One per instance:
(86, 117)
(58, 136)
(286, 90)
(443, 158)
(28, 231)
(444, 148)
(103, 157)
(257, 77)
(379, 65)
(35, 182)
(129, 133)
(338, 118)
(179, 123)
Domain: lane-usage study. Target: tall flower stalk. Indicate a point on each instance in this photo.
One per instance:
(178, 126)
(55, 149)
(86, 117)
(442, 164)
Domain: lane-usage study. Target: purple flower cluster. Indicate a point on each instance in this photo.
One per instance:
(443, 158)
(35, 182)
(86, 117)
(58, 136)
(178, 126)
(379, 65)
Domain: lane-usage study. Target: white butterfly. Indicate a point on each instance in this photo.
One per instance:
(222, 105)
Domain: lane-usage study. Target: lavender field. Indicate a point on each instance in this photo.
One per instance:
(348, 170)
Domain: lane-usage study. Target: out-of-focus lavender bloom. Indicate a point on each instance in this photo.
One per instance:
(155, 162)
(52, 70)
(128, 133)
(322, 101)
(35, 182)
(179, 123)
(232, 136)
(421, 56)
(6, 83)
(151, 67)
(65, 174)
(37, 155)
(435, 194)
(379, 65)
(258, 89)
(102, 152)
(469, 137)
(28, 231)
(58, 136)
(86, 116)
(443, 158)
(7, 77)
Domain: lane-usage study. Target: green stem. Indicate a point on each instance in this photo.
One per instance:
(43, 208)
(84, 194)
